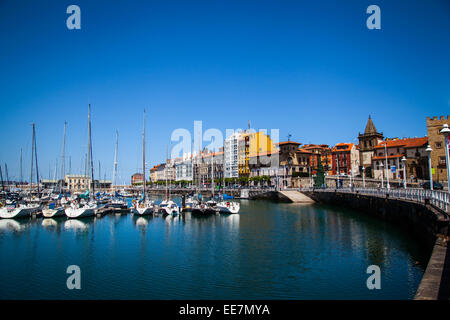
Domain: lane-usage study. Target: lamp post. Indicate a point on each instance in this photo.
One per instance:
(446, 131)
(387, 166)
(382, 174)
(428, 150)
(404, 171)
(364, 181)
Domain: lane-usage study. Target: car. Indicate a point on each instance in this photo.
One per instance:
(436, 185)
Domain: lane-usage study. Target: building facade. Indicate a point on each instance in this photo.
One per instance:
(137, 178)
(437, 143)
(77, 183)
(367, 142)
(390, 163)
(345, 159)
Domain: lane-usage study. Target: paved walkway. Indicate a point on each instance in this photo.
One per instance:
(296, 196)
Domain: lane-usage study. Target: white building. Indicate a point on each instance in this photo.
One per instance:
(183, 168)
(231, 153)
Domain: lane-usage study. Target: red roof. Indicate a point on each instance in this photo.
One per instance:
(289, 142)
(406, 143)
(347, 147)
(389, 157)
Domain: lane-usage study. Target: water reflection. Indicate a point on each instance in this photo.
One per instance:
(76, 225)
(268, 251)
(11, 225)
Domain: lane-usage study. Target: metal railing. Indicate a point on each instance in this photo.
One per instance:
(440, 199)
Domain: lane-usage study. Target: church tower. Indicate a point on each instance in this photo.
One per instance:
(367, 141)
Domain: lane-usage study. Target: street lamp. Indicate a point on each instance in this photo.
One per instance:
(382, 174)
(387, 166)
(446, 131)
(364, 181)
(404, 171)
(428, 150)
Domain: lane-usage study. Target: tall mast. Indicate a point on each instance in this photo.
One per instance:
(166, 171)
(90, 163)
(35, 154)
(7, 178)
(212, 175)
(63, 158)
(99, 175)
(21, 175)
(115, 160)
(32, 154)
(91, 157)
(143, 156)
(1, 176)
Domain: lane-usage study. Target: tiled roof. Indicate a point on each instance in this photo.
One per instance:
(389, 157)
(348, 147)
(406, 143)
(289, 142)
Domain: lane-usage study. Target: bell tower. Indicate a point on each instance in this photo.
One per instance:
(367, 141)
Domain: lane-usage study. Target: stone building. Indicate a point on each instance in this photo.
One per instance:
(367, 141)
(413, 149)
(76, 182)
(437, 141)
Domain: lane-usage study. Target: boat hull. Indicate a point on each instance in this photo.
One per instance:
(142, 211)
(50, 213)
(8, 213)
(75, 213)
(228, 208)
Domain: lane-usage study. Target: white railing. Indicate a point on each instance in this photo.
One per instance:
(440, 199)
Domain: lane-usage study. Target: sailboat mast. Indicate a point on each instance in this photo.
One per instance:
(36, 159)
(212, 175)
(90, 163)
(32, 154)
(143, 156)
(91, 157)
(1, 176)
(63, 158)
(115, 160)
(7, 178)
(21, 175)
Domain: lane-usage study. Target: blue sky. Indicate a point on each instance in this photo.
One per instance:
(309, 68)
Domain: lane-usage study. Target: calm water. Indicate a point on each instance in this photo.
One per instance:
(269, 251)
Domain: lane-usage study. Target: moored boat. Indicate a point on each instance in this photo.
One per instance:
(228, 207)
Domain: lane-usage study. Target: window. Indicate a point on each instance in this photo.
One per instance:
(442, 161)
(438, 145)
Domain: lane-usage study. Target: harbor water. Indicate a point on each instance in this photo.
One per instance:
(268, 251)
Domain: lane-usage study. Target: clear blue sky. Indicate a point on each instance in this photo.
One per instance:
(309, 68)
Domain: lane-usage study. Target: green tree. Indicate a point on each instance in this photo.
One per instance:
(319, 180)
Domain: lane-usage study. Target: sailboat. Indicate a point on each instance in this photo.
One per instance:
(57, 208)
(201, 207)
(20, 210)
(144, 206)
(79, 208)
(117, 201)
(227, 207)
(168, 206)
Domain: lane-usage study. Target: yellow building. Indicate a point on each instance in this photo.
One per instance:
(252, 144)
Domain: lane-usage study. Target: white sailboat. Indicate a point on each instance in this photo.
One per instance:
(78, 208)
(168, 206)
(145, 206)
(21, 210)
(116, 201)
(58, 208)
